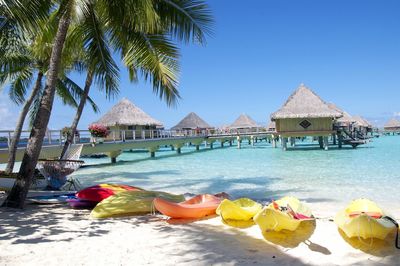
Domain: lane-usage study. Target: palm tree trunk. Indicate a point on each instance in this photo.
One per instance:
(16, 198)
(79, 110)
(20, 123)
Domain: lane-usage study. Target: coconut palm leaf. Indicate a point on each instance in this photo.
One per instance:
(76, 91)
(186, 20)
(98, 54)
(157, 60)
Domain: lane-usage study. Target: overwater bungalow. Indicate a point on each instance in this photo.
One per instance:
(128, 121)
(244, 123)
(192, 122)
(305, 114)
(345, 121)
(392, 126)
(362, 126)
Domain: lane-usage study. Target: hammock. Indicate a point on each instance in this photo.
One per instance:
(56, 171)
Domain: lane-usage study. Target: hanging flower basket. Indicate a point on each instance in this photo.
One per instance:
(98, 132)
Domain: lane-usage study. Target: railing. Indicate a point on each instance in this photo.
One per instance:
(56, 137)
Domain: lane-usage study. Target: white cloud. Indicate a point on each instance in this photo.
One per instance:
(396, 113)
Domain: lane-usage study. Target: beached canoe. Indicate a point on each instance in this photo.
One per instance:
(51, 198)
(100, 192)
(284, 214)
(196, 207)
(242, 209)
(364, 218)
(131, 203)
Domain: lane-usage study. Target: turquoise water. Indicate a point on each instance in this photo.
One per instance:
(327, 180)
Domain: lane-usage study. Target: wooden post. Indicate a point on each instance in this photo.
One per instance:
(340, 137)
(172, 148)
(113, 155)
(222, 143)
(211, 145)
(284, 143)
(230, 143)
(273, 140)
(326, 143)
(334, 138)
(197, 147)
(292, 141)
(321, 142)
(178, 150)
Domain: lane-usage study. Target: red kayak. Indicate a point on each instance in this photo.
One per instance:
(196, 207)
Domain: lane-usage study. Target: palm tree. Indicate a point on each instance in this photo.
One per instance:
(18, 64)
(185, 20)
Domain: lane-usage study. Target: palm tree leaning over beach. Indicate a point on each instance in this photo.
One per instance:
(22, 59)
(184, 20)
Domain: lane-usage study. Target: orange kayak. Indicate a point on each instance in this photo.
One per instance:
(196, 207)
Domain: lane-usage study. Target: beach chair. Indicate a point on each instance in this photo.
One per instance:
(56, 170)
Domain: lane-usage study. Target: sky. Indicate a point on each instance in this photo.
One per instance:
(347, 51)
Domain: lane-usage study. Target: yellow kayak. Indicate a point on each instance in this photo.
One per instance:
(284, 214)
(131, 203)
(363, 218)
(242, 209)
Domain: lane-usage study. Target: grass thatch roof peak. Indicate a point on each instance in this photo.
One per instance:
(126, 113)
(244, 121)
(361, 122)
(346, 118)
(304, 103)
(392, 123)
(191, 121)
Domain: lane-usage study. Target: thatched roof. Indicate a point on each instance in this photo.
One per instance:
(346, 118)
(361, 122)
(244, 121)
(392, 123)
(126, 113)
(191, 121)
(304, 103)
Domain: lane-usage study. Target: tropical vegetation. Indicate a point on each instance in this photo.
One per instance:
(141, 32)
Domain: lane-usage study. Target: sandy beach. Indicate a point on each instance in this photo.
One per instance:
(56, 234)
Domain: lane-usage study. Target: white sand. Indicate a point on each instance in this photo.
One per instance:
(58, 235)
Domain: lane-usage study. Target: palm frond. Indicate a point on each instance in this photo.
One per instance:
(76, 91)
(186, 20)
(157, 60)
(19, 86)
(98, 54)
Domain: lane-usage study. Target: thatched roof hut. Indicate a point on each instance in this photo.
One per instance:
(191, 121)
(346, 119)
(304, 103)
(362, 122)
(392, 125)
(244, 121)
(125, 113)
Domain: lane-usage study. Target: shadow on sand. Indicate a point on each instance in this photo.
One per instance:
(374, 246)
(289, 239)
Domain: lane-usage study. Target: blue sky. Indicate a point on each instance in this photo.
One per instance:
(348, 51)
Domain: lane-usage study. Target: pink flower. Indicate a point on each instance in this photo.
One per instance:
(98, 130)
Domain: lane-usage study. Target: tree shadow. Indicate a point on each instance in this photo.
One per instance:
(45, 223)
(219, 245)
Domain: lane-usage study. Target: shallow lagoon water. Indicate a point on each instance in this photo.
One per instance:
(327, 180)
